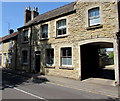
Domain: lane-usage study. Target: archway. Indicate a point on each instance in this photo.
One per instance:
(94, 63)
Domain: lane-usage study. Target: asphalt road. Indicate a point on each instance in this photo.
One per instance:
(19, 87)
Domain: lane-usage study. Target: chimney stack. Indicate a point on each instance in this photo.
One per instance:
(30, 15)
(27, 16)
(11, 31)
(34, 13)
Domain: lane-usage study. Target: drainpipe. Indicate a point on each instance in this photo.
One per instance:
(30, 47)
(16, 54)
(118, 47)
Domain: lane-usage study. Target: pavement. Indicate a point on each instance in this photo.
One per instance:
(94, 85)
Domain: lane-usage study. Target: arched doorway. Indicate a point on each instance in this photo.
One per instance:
(93, 63)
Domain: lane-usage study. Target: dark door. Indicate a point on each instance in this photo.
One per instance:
(89, 61)
(37, 61)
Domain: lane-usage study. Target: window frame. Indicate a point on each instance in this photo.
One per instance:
(10, 44)
(24, 57)
(25, 36)
(66, 56)
(4, 58)
(50, 49)
(42, 31)
(0, 59)
(9, 58)
(62, 27)
(94, 17)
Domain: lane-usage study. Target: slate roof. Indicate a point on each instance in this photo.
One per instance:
(52, 14)
(8, 36)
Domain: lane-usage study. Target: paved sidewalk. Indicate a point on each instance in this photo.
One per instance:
(97, 85)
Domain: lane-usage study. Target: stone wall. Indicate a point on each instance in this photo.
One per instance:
(78, 31)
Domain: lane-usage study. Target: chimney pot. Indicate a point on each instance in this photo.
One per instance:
(35, 9)
(11, 31)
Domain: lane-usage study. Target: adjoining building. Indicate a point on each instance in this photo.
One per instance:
(67, 41)
(8, 50)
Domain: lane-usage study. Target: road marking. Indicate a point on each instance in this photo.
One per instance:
(99, 92)
(27, 92)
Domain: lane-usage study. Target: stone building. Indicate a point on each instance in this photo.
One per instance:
(8, 50)
(66, 41)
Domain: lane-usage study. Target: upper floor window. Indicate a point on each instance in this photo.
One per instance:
(66, 56)
(61, 27)
(94, 16)
(44, 31)
(25, 35)
(10, 44)
(50, 56)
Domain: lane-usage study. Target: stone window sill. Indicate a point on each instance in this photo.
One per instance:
(94, 27)
(42, 39)
(67, 68)
(25, 42)
(52, 67)
(61, 36)
(24, 63)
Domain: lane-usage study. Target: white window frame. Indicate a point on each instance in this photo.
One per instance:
(51, 56)
(42, 31)
(95, 17)
(66, 56)
(61, 27)
(25, 35)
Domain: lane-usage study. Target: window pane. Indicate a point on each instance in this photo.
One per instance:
(94, 16)
(64, 31)
(63, 50)
(69, 53)
(44, 31)
(4, 58)
(97, 20)
(0, 59)
(50, 56)
(64, 61)
(97, 12)
(69, 60)
(66, 57)
(24, 55)
(25, 35)
(61, 27)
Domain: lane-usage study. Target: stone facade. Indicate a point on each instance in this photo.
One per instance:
(8, 51)
(78, 33)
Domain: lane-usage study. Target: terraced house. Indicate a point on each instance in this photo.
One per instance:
(68, 41)
(8, 50)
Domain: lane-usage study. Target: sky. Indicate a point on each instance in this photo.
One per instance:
(13, 13)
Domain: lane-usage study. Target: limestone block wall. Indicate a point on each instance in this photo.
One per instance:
(78, 30)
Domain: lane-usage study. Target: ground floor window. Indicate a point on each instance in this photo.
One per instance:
(66, 56)
(9, 58)
(24, 56)
(5, 58)
(0, 59)
(50, 56)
